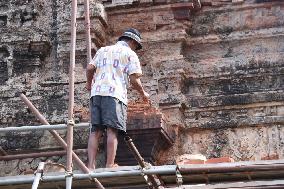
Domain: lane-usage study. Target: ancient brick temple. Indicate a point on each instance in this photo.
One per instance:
(215, 74)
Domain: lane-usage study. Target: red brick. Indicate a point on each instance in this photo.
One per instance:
(190, 159)
(193, 161)
(270, 157)
(220, 160)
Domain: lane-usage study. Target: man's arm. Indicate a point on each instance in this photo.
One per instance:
(137, 85)
(90, 74)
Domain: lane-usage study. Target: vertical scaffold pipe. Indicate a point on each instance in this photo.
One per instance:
(38, 175)
(71, 123)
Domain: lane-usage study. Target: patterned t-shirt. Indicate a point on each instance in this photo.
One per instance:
(113, 65)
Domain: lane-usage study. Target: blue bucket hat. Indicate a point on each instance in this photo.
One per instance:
(133, 34)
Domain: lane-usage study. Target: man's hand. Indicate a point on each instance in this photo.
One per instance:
(90, 74)
(146, 97)
(88, 86)
(136, 83)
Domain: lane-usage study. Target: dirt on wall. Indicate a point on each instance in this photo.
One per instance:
(216, 74)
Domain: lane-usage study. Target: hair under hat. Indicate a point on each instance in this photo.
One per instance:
(133, 34)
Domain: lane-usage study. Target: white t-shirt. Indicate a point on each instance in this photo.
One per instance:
(113, 65)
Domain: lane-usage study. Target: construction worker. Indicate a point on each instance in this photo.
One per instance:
(108, 75)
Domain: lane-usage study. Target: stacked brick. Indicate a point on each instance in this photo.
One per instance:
(149, 131)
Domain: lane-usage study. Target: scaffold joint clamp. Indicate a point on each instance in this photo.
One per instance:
(71, 123)
(68, 174)
(179, 179)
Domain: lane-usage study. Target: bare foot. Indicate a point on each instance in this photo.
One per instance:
(112, 165)
(91, 169)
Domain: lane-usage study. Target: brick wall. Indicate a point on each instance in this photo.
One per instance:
(216, 74)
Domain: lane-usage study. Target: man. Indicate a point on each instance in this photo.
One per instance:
(111, 69)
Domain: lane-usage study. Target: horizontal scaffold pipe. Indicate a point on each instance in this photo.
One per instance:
(160, 170)
(245, 166)
(42, 127)
(40, 154)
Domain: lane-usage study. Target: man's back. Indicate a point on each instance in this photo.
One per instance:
(113, 66)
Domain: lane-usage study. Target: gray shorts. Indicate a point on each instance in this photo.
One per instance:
(107, 111)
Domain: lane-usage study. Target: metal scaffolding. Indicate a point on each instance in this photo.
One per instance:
(152, 182)
(70, 124)
(150, 174)
(201, 176)
(42, 127)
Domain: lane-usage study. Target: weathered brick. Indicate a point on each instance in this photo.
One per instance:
(219, 160)
(216, 75)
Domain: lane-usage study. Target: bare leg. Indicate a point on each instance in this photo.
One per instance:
(93, 145)
(111, 146)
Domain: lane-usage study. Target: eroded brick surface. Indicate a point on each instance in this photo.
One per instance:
(216, 76)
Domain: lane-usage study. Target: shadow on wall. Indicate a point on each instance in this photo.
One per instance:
(4, 53)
